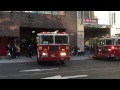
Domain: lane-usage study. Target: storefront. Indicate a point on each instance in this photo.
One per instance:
(92, 29)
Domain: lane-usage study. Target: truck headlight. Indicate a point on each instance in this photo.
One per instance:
(44, 54)
(63, 54)
(109, 49)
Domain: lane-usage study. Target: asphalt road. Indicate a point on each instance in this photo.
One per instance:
(78, 69)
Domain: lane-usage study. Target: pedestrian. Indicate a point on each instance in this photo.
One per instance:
(87, 51)
(75, 50)
(30, 51)
(79, 52)
(9, 51)
(14, 51)
(18, 50)
(72, 50)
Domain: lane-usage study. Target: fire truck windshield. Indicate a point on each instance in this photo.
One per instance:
(118, 42)
(53, 39)
(46, 39)
(61, 39)
(106, 42)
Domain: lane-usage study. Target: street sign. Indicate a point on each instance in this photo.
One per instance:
(89, 20)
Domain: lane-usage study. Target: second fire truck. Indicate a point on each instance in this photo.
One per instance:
(53, 46)
(107, 47)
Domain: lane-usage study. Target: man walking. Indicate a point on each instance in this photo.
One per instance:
(29, 51)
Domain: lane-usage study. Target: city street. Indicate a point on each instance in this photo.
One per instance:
(74, 69)
(29, 36)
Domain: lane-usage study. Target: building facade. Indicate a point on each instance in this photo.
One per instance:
(115, 22)
(91, 24)
(21, 27)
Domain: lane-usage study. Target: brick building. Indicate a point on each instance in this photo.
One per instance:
(20, 27)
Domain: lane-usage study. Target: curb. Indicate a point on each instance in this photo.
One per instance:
(25, 59)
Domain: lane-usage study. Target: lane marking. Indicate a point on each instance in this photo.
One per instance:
(65, 77)
(34, 70)
(15, 75)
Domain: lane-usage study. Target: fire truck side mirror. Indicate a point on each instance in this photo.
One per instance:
(37, 39)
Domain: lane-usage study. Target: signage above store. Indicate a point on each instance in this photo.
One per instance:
(89, 20)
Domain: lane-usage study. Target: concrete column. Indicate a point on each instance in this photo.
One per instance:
(113, 30)
(80, 32)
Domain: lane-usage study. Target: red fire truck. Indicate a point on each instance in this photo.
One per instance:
(53, 46)
(107, 47)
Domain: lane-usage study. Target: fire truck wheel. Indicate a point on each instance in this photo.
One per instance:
(62, 62)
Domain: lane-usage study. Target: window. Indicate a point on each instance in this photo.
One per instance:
(38, 39)
(33, 11)
(61, 12)
(30, 11)
(108, 42)
(86, 14)
(26, 11)
(92, 14)
(41, 12)
(15, 11)
(101, 42)
(47, 12)
(114, 18)
(118, 43)
(61, 39)
(55, 12)
(89, 14)
(5, 11)
(46, 39)
(58, 12)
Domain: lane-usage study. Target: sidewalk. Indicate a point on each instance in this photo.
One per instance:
(34, 59)
(82, 57)
(17, 60)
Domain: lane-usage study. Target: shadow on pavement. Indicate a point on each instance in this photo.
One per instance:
(52, 63)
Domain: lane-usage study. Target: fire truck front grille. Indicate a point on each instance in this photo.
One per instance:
(54, 48)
